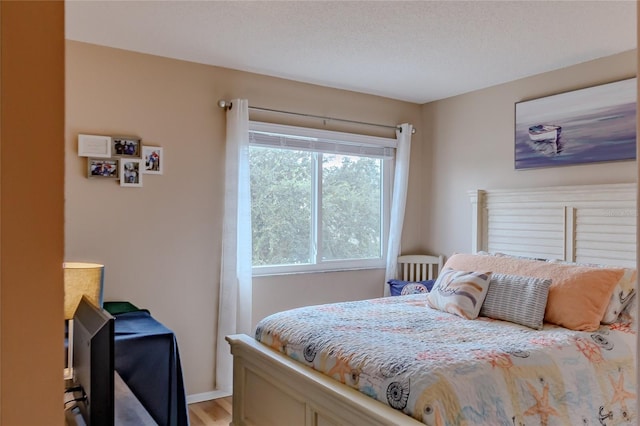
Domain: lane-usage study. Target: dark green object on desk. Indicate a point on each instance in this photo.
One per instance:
(116, 308)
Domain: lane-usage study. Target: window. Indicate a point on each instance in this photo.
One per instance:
(319, 200)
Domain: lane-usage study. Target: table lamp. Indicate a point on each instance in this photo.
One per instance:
(79, 279)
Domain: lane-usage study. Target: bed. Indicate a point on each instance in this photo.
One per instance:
(481, 371)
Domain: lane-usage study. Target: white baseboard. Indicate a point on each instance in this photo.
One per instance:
(207, 396)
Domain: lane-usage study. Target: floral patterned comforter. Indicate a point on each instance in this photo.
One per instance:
(445, 370)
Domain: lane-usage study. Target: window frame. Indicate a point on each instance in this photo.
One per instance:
(341, 139)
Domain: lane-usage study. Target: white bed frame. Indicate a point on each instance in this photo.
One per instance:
(586, 224)
(594, 224)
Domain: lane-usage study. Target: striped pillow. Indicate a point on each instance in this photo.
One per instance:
(517, 299)
(460, 293)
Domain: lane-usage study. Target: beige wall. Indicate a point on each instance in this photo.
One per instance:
(31, 222)
(469, 145)
(161, 243)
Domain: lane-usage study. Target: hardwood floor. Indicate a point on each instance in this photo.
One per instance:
(216, 412)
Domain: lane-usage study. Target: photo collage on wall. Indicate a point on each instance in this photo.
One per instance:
(123, 158)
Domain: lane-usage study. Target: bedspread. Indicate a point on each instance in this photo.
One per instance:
(445, 370)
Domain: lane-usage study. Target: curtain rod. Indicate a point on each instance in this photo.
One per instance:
(228, 105)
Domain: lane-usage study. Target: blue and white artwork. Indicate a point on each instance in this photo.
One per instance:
(583, 126)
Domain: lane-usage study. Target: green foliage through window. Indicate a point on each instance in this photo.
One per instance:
(351, 213)
(281, 198)
(317, 203)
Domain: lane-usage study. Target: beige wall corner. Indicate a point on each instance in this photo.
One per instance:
(161, 243)
(31, 218)
(470, 145)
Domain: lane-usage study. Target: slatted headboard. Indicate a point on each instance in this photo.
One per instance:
(589, 223)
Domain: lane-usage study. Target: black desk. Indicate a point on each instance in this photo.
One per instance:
(147, 359)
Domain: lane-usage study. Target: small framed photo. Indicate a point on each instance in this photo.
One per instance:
(94, 146)
(102, 168)
(126, 146)
(153, 160)
(131, 172)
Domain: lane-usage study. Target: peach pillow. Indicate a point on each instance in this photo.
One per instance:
(578, 296)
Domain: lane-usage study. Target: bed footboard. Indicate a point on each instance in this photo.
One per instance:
(271, 389)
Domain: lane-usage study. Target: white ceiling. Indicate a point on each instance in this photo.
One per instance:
(416, 51)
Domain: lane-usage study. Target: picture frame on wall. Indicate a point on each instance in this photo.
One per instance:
(595, 124)
(131, 172)
(126, 146)
(94, 146)
(102, 168)
(153, 160)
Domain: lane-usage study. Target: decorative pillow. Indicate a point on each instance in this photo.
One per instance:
(517, 299)
(459, 292)
(396, 287)
(415, 288)
(578, 295)
(629, 314)
(622, 293)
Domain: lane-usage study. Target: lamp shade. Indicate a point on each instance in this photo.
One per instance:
(82, 279)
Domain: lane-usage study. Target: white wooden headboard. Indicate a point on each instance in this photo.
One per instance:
(587, 223)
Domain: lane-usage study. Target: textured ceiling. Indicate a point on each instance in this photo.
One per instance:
(417, 51)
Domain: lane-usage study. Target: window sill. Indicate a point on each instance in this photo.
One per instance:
(320, 271)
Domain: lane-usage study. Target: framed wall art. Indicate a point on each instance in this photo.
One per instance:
(102, 168)
(126, 146)
(94, 146)
(153, 160)
(595, 124)
(131, 172)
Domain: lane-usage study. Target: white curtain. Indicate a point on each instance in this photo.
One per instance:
(398, 201)
(234, 310)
